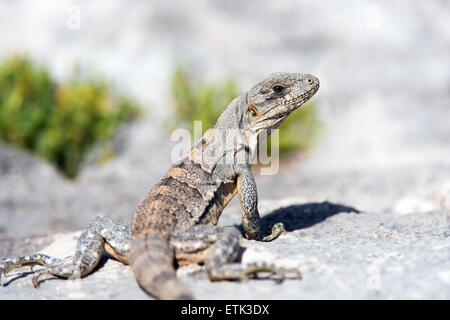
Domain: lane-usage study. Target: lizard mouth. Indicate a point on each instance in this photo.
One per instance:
(297, 101)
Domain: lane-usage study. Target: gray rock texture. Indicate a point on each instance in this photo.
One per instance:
(341, 253)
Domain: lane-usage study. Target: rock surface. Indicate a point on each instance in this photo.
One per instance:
(341, 253)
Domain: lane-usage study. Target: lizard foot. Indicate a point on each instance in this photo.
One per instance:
(237, 271)
(54, 266)
(103, 234)
(277, 230)
(256, 268)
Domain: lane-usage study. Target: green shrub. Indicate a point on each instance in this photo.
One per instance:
(59, 122)
(299, 132)
(205, 102)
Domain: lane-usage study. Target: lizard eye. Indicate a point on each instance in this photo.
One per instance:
(253, 111)
(278, 89)
(309, 80)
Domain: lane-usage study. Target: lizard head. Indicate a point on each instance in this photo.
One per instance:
(272, 100)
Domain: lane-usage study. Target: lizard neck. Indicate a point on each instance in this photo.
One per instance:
(229, 142)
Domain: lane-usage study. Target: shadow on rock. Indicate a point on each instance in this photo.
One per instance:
(300, 216)
(5, 282)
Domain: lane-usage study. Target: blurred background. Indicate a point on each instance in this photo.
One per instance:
(89, 91)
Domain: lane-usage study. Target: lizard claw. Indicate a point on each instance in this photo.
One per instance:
(282, 273)
(35, 279)
(4, 269)
(296, 272)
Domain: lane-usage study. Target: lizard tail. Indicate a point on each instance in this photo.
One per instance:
(152, 262)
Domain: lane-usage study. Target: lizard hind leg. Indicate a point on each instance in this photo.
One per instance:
(102, 234)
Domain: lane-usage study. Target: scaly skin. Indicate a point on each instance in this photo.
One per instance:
(175, 222)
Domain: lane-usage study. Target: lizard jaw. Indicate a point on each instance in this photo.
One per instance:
(294, 103)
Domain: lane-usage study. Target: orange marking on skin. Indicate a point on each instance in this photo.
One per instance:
(183, 174)
(176, 172)
(161, 190)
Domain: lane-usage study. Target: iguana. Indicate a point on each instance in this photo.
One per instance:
(175, 224)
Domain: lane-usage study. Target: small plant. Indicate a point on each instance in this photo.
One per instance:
(205, 102)
(59, 122)
(299, 131)
(202, 103)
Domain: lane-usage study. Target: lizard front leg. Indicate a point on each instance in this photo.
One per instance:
(248, 197)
